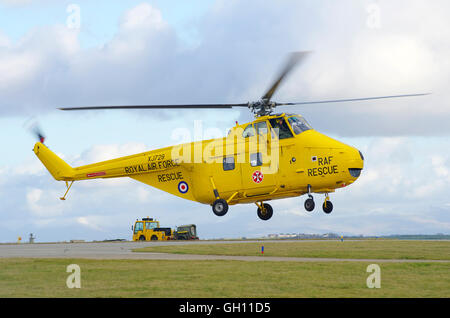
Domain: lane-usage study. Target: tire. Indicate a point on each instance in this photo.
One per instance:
(154, 238)
(309, 205)
(142, 238)
(220, 207)
(268, 213)
(328, 208)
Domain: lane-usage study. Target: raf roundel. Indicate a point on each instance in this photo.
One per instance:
(183, 187)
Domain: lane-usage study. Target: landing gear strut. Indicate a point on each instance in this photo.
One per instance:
(327, 206)
(265, 211)
(309, 203)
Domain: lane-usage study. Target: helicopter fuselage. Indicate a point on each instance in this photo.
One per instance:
(273, 157)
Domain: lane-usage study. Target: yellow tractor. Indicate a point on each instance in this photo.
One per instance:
(148, 230)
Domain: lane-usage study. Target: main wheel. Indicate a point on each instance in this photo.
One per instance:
(267, 213)
(142, 238)
(328, 207)
(309, 205)
(220, 207)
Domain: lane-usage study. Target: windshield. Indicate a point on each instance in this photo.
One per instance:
(249, 131)
(138, 227)
(299, 124)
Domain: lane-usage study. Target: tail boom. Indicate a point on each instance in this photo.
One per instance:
(57, 167)
(128, 166)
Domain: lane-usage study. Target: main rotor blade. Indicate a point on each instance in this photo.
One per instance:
(193, 106)
(293, 60)
(350, 99)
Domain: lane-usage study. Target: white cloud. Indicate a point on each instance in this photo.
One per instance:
(405, 180)
(4, 40)
(17, 68)
(143, 16)
(90, 222)
(402, 168)
(441, 166)
(15, 2)
(99, 153)
(393, 62)
(145, 63)
(29, 168)
(44, 204)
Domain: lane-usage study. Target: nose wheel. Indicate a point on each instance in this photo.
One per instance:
(309, 203)
(327, 206)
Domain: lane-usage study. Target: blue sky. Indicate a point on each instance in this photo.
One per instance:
(150, 52)
(99, 18)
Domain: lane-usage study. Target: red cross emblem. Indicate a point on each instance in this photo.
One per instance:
(257, 177)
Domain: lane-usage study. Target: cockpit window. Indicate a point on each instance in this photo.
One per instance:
(299, 124)
(261, 128)
(249, 131)
(280, 125)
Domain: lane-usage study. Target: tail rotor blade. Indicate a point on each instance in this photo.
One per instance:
(33, 127)
(37, 131)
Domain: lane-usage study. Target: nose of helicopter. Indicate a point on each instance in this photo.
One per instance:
(356, 164)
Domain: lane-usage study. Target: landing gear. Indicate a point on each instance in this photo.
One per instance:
(265, 211)
(309, 204)
(327, 206)
(220, 207)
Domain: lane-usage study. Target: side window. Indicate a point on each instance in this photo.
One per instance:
(261, 128)
(228, 163)
(151, 225)
(255, 159)
(249, 131)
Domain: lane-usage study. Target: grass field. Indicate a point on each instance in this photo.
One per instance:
(143, 278)
(21, 277)
(368, 249)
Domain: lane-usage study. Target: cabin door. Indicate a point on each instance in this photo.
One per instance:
(259, 169)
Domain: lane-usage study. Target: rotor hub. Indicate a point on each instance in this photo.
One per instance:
(262, 107)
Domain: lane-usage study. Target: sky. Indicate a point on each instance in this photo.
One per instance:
(80, 53)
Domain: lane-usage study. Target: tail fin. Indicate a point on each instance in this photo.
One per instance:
(57, 167)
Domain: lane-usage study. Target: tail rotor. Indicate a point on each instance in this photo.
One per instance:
(33, 128)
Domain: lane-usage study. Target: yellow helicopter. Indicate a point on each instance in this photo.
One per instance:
(273, 157)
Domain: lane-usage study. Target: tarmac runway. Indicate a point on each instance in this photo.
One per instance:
(123, 250)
